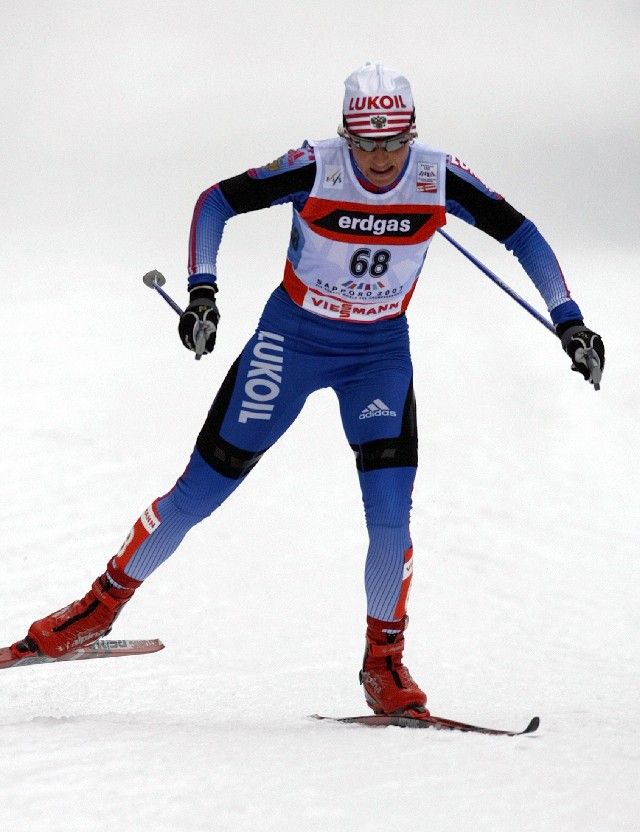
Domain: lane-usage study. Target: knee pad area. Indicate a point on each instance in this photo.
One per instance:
(222, 456)
(387, 453)
(225, 458)
(201, 489)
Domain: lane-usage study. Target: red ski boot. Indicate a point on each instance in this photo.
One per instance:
(81, 622)
(388, 686)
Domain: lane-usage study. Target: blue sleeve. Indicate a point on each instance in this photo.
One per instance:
(288, 179)
(469, 199)
(539, 262)
(209, 217)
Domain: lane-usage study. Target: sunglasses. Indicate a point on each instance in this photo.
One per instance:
(369, 145)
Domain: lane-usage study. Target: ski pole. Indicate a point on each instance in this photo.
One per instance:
(499, 282)
(156, 280)
(591, 356)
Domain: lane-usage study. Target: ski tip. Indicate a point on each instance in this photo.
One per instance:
(155, 644)
(436, 722)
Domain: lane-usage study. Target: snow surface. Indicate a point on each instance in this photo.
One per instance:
(525, 523)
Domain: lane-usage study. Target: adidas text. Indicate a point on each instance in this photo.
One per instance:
(376, 408)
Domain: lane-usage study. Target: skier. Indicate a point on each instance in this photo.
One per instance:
(365, 207)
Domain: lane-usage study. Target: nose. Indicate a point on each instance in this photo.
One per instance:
(379, 156)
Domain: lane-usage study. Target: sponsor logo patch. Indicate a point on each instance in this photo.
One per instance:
(333, 177)
(357, 223)
(144, 526)
(347, 311)
(376, 408)
(377, 102)
(276, 164)
(427, 181)
(264, 378)
(149, 519)
(457, 162)
(360, 290)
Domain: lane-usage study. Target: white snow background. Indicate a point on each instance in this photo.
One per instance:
(116, 115)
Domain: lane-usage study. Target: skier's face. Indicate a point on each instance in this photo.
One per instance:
(380, 166)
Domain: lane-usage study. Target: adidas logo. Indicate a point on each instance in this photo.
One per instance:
(376, 408)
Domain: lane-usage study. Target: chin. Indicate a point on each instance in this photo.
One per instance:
(382, 178)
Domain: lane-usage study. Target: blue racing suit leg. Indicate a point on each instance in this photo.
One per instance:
(291, 354)
(260, 397)
(379, 417)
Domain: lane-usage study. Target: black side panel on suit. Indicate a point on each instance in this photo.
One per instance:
(246, 193)
(221, 455)
(496, 217)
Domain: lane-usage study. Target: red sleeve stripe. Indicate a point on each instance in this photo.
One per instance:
(197, 211)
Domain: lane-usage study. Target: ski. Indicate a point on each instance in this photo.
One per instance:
(437, 722)
(102, 649)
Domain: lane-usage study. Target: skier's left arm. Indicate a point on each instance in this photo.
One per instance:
(469, 199)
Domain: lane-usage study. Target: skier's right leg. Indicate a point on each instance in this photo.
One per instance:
(156, 534)
(261, 396)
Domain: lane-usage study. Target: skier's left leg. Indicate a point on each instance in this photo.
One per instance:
(379, 418)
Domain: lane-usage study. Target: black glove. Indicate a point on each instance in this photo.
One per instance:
(199, 321)
(585, 349)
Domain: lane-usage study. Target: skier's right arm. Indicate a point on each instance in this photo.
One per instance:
(288, 179)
